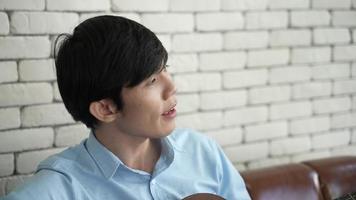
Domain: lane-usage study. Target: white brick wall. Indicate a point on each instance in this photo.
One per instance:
(290, 74)
(4, 21)
(272, 81)
(13, 47)
(182, 22)
(197, 42)
(8, 71)
(266, 20)
(24, 94)
(245, 40)
(222, 61)
(244, 4)
(42, 22)
(219, 21)
(298, 37)
(310, 18)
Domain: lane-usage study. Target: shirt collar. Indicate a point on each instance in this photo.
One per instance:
(109, 163)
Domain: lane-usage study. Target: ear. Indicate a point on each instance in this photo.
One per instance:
(104, 110)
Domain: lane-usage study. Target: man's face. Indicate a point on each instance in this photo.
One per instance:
(149, 108)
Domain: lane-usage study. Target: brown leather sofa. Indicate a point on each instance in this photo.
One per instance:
(322, 179)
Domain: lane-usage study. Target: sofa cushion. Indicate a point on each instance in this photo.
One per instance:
(337, 175)
(291, 181)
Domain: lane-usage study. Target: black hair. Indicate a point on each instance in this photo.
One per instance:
(103, 55)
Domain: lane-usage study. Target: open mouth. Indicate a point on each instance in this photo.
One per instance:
(171, 112)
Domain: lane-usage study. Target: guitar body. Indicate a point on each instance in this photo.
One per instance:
(203, 196)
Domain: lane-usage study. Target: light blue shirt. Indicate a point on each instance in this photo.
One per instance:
(189, 163)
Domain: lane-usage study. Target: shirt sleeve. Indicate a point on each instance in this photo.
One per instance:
(232, 186)
(44, 185)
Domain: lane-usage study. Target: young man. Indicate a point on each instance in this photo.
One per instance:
(112, 76)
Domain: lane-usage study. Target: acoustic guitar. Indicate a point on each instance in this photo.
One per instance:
(203, 196)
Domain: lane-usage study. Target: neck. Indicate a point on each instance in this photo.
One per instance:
(134, 151)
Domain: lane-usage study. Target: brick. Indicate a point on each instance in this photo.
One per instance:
(183, 63)
(345, 53)
(24, 94)
(311, 55)
(70, 135)
(197, 42)
(268, 162)
(244, 4)
(219, 21)
(246, 40)
(26, 139)
(56, 94)
(344, 120)
(188, 103)
(13, 181)
(223, 99)
(42, 115)
(198, 82)
(290, 4)
(290, 37)
(266, 20)
(290, 110)
(8, 71)
(166, 41)
(330, 71)
(168, 23)
(289, 74)
(312, 89)
(311, 156)
(191, 6)
(310, 125)
(344, 18)
(37, 70)
(22, 5)
(245, 115)
(79, 5)
(267, 131)
(201, 121)
(226, 137)
(344, 87)
(344, 151)
(10, 118)
(6, 164)
(42, 22)
(22, 47)
(242, 153)
(129, 15)
(331, 4)
(290, 145)
(257, 58)
(245, 78)
(27, 162)
(269, 94)
(5, 25)
(333, 139)
(331, 36)
(137, 5)
(310, 18)
(222, 61)
(331, 105)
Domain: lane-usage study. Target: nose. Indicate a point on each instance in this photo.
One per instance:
(170, 88)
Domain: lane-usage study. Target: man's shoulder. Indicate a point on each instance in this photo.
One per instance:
(67, 160)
